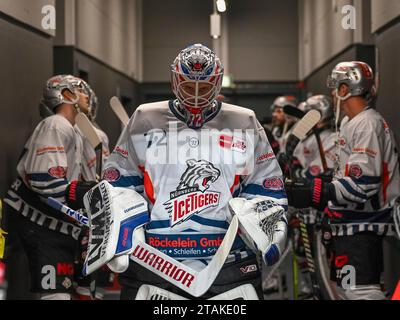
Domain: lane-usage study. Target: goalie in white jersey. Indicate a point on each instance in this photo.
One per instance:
(189, 157)
(365, 184)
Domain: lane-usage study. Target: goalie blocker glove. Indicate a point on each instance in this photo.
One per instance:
(263, 226)
(304, 194)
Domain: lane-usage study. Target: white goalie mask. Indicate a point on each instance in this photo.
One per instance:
(196, 79)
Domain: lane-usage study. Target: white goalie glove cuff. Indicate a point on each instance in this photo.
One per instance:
(263, 226)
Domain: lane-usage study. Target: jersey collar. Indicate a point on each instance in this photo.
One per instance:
(197, 122)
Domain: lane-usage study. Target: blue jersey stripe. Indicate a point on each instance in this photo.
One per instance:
(210, 222)
(162, 224)
(256, 189)
(54, 195)
(158, 224)
(364, 180)
(128, 181)
(41, 177)
(52, 185)
(350, 190)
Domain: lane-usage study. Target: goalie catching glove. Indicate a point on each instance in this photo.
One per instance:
(263, 226)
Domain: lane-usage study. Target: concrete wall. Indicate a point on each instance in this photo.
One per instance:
(321, 35)
(168, 27)
(26, 62)
(109, 31)
(383, 11)
(261, 37)
(388, 44)
(28, 12)
(107, 83)
(263, 40)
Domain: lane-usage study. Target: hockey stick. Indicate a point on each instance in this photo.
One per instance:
(90, 133)
(300, 131)
(307, 123)
(78, 217)
(119, 110)
(297, 113)
(194, 282)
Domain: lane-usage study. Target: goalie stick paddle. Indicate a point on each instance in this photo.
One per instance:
(119, 110)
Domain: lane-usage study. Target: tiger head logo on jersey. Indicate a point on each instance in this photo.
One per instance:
(192, 195)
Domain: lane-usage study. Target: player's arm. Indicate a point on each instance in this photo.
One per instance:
(361, 182)
(364, 170)
(265, 178)
(123, 168)
(262, 204)
(46, 163)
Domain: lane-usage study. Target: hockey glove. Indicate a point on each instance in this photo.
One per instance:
(326, 176)
(303, 194)
(75, 192)
(263, 226)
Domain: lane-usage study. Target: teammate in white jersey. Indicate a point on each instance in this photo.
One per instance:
(307, 152)
(50, 162)
(189, 157)
(281, 123)
(365, 185)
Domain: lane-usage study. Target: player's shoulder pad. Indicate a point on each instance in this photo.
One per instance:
(370, 121)
(239, 117)
(153, 107)
(58, 123)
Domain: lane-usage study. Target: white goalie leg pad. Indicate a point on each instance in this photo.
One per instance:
(148, 292)
(263, 225)
(114, 214)
(119, 264)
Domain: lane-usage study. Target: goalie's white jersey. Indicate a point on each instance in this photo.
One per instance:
(188, 176)
(366, 178)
